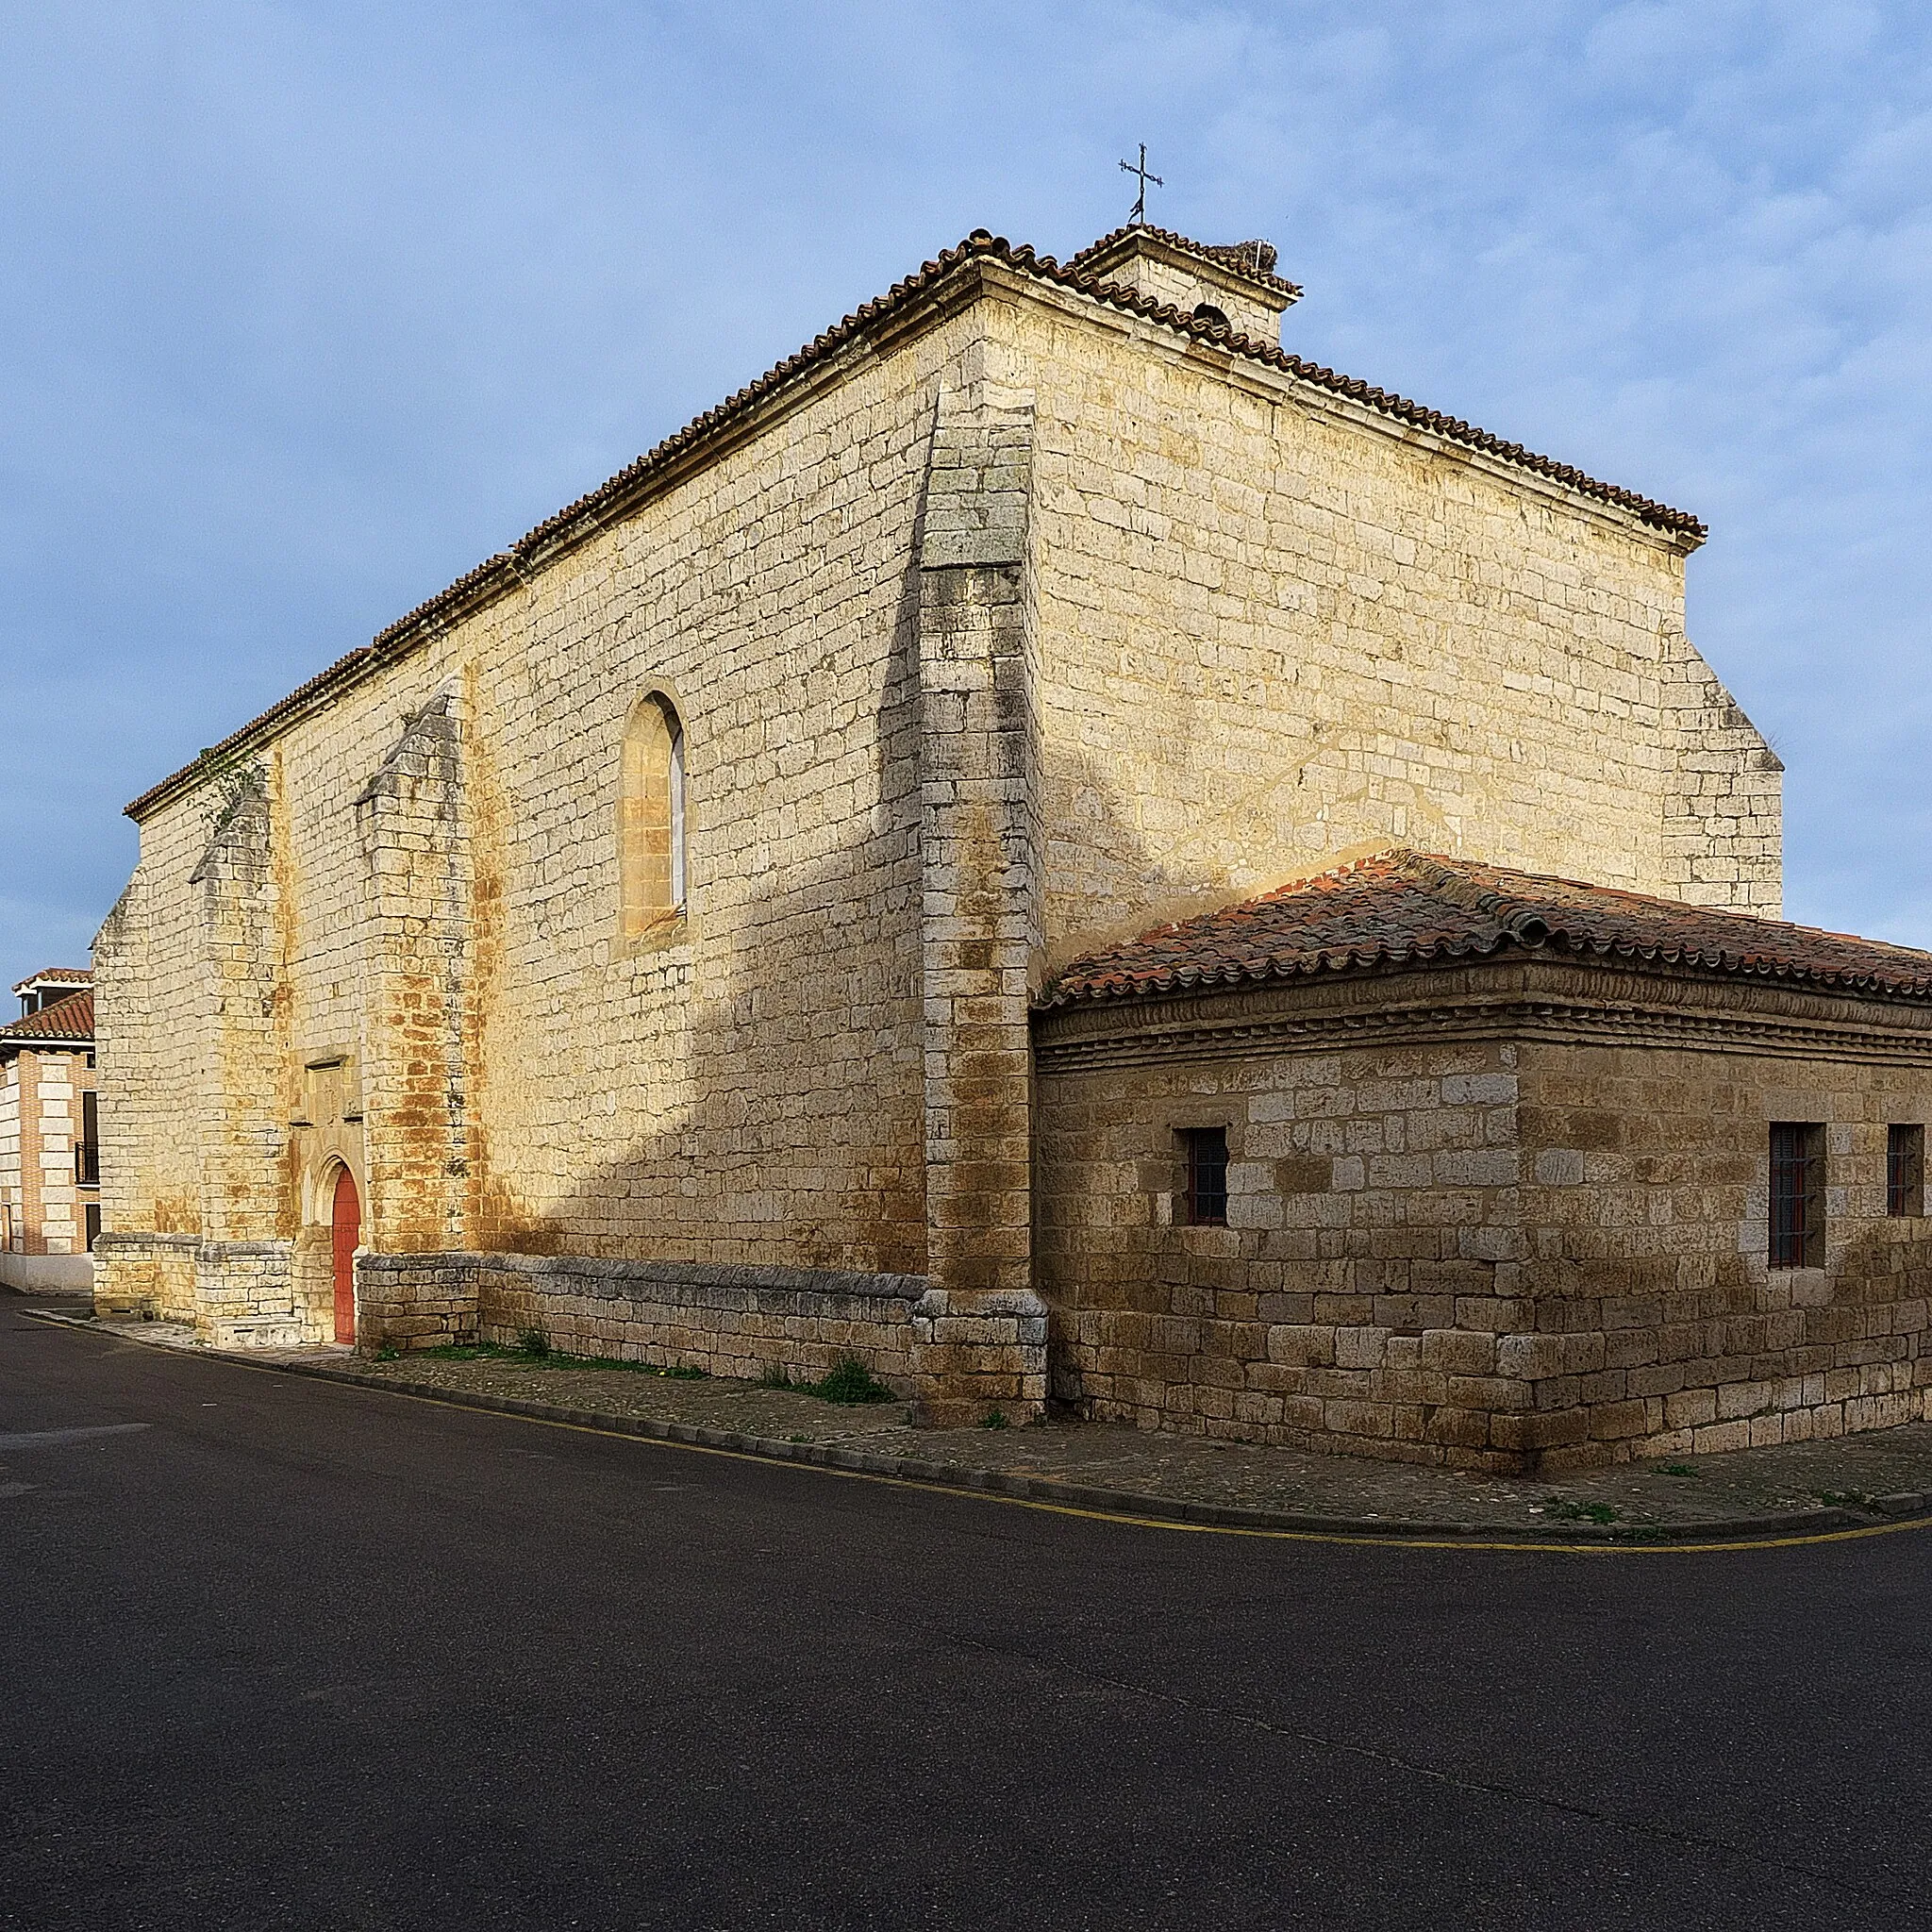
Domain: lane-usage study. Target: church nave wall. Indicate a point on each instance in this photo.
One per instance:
(1276, 633)
(744, 1090)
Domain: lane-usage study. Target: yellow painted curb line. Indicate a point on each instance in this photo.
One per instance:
(1347, 1539)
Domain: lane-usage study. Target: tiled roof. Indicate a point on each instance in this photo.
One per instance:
(82, 974)
(1253, 261)
(580, 520)
(1410, 907)
(72, 1019)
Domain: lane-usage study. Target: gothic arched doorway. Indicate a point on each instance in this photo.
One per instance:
(345, 1223)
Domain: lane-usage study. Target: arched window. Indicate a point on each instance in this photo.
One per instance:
(650, 817)
(1213, 317)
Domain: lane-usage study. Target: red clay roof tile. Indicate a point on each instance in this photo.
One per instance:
(81, 973)
(1404, 907)
(1253, 262)
(65, 1022)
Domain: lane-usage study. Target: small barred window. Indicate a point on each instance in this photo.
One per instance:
(1905, 1169)
(1204, 1202)
(1797, 1194)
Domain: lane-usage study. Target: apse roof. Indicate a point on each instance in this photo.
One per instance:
(1403, 907)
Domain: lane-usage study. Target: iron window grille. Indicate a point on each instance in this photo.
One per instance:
(1905, 1169)
(86, 1150)
(1797, 1194)
(1205, 1203)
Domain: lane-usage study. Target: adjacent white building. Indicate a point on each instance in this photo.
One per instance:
(50, 1209)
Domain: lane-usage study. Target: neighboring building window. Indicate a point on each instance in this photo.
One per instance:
(1797, 1194)
(1205, 1203)
(650, 817)
(86, 1150)
(94, 1225)
(1905, 1169)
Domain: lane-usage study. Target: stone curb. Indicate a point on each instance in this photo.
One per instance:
(1900, 1507)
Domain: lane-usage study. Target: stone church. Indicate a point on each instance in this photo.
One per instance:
(1062, 850)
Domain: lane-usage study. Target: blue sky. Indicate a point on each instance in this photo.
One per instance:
(305, 309)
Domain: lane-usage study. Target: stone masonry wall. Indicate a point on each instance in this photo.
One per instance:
(1657, 1327)
(1233, 630)
(727, 1321)
(754, 1093)
(1353, 1298)
(1278, 631)
(1480, 1235)
(153, 1030)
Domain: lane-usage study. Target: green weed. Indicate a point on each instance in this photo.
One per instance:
(1565, 1510)
(522, 1357)
(849, 1380)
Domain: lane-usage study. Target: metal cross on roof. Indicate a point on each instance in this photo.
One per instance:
(1140, 168)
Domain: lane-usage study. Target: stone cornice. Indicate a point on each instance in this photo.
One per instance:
(1515, 999)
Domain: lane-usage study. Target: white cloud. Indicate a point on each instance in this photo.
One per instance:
(308, 309)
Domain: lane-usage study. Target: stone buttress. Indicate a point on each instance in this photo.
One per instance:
(229, 1274)
(980, 1325)
(412, 828)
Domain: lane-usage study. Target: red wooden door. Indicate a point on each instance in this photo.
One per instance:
(346, 1225)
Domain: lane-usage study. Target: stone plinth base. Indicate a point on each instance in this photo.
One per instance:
(981, 1353)
(221, 1288)
(958, 1356)
(150, 1274)
(264, 1332)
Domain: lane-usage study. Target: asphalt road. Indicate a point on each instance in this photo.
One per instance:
(289, 1653)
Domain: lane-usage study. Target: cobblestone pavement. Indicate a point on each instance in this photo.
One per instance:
(1873, 1476)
